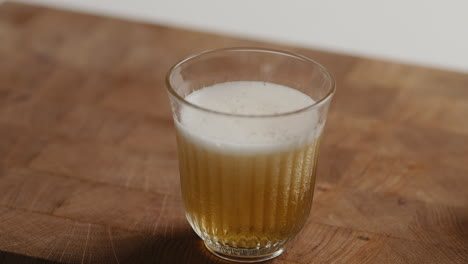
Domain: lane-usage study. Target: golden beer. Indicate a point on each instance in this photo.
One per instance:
(247, 184)
(246, 201)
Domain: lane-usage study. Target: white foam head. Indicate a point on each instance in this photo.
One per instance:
(243, 133)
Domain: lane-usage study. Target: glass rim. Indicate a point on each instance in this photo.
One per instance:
(318, 103)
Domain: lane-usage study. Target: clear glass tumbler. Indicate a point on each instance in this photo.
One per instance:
(247, 196)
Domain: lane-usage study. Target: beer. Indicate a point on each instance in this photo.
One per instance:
(247, 177)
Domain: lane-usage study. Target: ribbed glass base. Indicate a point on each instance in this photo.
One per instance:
(243, 255)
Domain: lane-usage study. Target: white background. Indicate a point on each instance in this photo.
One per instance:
(428, 32)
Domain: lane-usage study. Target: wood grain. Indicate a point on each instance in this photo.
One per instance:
(88, 168)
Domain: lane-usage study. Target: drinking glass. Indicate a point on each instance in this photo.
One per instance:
(247, 199)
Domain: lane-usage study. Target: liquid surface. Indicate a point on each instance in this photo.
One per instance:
(250, 134)
(247, 183)
(250, 98)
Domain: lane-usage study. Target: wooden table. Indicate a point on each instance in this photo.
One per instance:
(88, 168)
